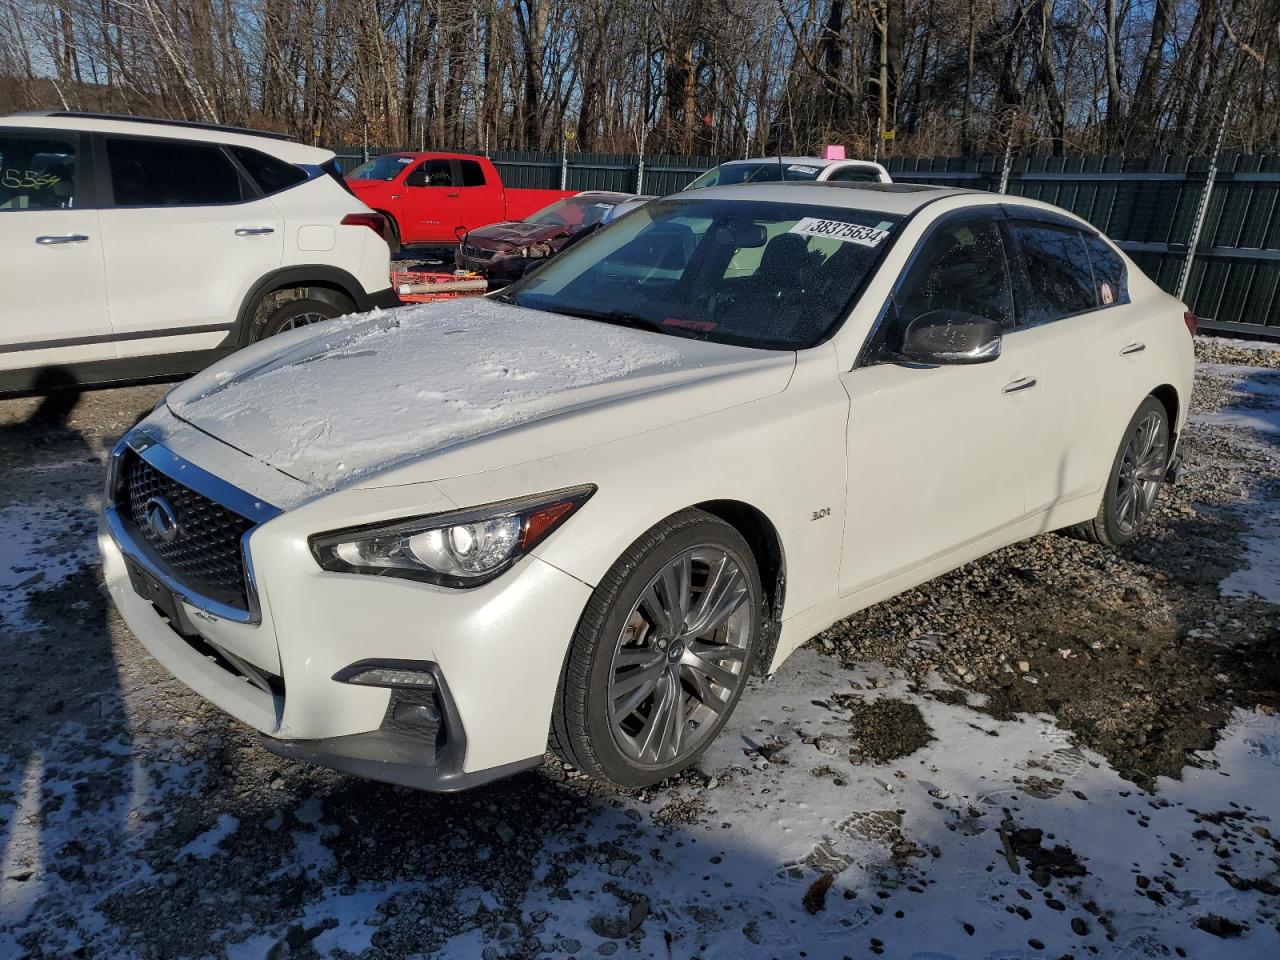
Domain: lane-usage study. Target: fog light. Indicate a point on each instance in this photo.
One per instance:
(418, 714)
(392, 677)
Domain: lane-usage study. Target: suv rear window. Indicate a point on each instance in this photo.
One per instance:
(167, 173)
(271, 175)
(37, 172)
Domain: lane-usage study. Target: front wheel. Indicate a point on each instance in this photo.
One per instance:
(662, 653)
(1135, 479)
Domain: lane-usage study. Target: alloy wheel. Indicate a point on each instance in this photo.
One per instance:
(303, 320)
(1142, 468)
(681, 656)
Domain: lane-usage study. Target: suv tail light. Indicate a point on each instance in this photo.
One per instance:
(1191, 321)
(374, 221)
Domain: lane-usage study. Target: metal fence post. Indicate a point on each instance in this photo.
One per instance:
(1202, 210)
(1008, 157)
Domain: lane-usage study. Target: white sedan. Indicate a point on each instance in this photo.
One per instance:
(424, 546)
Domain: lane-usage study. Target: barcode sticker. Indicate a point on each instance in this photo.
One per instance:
(839, 230)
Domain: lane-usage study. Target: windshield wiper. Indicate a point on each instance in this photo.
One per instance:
(504, 298)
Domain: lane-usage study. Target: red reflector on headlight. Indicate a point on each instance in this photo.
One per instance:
(1191, 321)
(374, 221)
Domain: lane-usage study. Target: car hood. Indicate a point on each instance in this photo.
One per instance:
(348, 401)
(516, 234)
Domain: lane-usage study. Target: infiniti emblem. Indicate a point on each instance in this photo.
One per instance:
(159, 520)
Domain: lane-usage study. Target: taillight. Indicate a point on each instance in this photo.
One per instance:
(374, 221)
(1191, 321)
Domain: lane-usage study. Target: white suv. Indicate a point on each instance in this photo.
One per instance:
(141, 248)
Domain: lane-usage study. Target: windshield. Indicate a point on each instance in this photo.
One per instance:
(756, 171)
(778, 276)
(572, 212)
(380, 168)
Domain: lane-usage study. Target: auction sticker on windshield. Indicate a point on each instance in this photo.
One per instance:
(839, 230)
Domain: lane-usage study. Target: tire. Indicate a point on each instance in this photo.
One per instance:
(1134, 482)
(607, 716)
(296, 313)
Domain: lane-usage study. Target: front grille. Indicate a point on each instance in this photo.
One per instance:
(204, 552)
(479, 254)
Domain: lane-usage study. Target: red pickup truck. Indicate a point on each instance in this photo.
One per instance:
(433, 197)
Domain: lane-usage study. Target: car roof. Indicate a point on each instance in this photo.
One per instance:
(896, 199)
(805, 161)
(277, 144)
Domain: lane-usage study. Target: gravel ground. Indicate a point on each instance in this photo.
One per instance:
(1058, 750)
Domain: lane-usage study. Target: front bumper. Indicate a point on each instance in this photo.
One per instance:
(500, 646)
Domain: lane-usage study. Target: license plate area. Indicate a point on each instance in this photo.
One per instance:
(160, 597)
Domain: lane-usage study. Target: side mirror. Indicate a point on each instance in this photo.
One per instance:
(417, 178)
(950, 336)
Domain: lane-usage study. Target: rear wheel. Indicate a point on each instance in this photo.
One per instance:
(662, 653)
(1135, 479)
(276, 315)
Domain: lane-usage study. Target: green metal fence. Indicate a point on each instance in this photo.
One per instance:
(1149, 205)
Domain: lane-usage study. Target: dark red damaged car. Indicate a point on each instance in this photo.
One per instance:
(503, 252)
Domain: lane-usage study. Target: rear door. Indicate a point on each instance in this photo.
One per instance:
(186, 234)
(481, 201)
(55, 297)
(1085, 323)
(432, 203)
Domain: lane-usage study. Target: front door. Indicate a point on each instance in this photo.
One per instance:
(55, 296)
(937, 454)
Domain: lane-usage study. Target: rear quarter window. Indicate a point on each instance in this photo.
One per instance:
(1109, 271)
(270, 174)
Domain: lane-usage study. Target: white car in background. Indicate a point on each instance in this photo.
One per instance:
(792, 170)
(423, 546)
(139, 248)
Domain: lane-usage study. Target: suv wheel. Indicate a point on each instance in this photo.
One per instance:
(662, 653)
(1135, 479)
(276, 316)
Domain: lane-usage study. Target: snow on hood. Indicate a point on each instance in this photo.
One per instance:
(351, 398)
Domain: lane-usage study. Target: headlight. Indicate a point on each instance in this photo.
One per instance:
(461, 549)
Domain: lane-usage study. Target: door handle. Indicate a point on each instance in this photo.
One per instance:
(1132, 348)
(395, 196)
(453, 196)
(1017, 386)
(254, 231)
(50, 241)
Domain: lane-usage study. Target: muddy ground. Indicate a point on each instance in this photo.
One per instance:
(1059, 750)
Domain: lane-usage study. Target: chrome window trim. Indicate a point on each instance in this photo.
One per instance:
(148, 447)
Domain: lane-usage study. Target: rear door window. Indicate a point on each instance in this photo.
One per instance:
(168, 173)
(472, 173)
(1109, 272)
(37, 172)
(962, 266)
(1059, 277)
